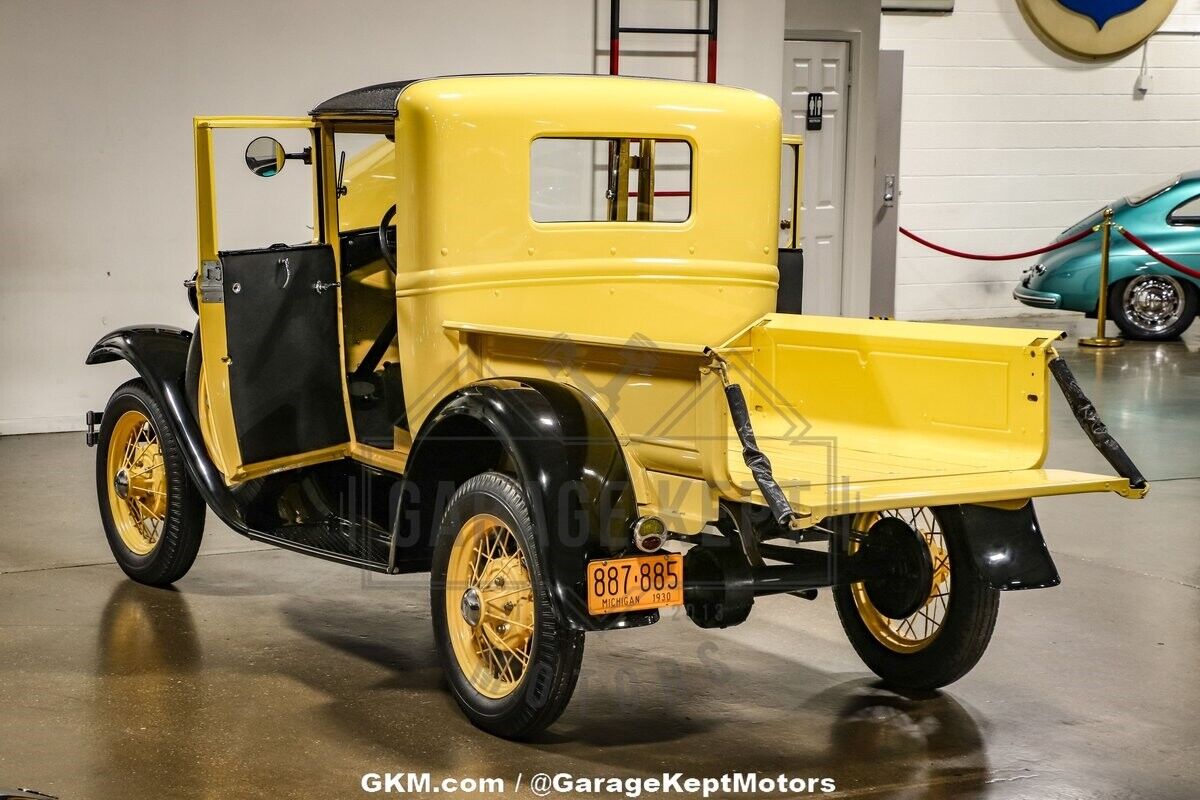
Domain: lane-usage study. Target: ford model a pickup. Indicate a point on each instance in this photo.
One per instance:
(532, 348)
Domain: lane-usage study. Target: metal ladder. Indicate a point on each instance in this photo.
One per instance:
(615, 31)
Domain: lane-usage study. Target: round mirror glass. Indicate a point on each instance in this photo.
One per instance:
(265, 156)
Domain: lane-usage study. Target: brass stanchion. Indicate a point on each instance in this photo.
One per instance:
(1100, 340)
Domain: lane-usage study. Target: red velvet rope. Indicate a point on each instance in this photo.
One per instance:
(1006, 257)
(1170, 262)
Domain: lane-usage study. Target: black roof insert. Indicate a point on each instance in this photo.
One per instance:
(370, 101)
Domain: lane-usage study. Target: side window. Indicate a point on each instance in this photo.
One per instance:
(369, 179)
(1187, 213)
(610, 180)
(259, 208)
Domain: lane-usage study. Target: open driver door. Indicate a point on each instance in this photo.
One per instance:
(271, 395)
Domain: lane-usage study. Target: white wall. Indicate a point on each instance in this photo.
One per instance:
(97, 211)
(1005, 143)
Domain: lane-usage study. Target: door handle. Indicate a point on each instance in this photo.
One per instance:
(889, 189)
(283, 272)
(321, 287)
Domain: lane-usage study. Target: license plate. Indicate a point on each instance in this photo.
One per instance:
(633, 584)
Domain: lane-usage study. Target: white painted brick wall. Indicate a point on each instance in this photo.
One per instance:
(1005, 143)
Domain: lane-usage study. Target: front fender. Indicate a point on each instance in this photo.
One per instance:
(566, 457)
(159, 354)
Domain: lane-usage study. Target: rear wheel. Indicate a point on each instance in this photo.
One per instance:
(511, 665)
(152, 514)
(1152, 307)
(929, 624)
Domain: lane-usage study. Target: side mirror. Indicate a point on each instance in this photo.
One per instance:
(265, 156)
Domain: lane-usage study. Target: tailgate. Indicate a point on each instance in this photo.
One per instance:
(860, 415)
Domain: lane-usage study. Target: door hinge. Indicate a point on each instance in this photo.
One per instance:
(212, 282)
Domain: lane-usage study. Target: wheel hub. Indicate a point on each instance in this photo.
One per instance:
(904, 553)
(137, 476)
(471, 606)
(1154, 302)
(492, 629)
(121, 484)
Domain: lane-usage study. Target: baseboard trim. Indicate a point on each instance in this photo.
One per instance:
(16, 427)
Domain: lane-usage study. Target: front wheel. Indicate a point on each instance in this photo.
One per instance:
(153, 516)
(1152, 307)
(510, 663)
(929, 623)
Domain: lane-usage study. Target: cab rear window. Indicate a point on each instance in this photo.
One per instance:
(610, 180)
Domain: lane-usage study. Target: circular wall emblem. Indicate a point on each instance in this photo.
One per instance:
(1095, 28)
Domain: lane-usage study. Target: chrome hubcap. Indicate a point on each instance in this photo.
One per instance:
(471, 606)
(1153, 302)
(121, 483)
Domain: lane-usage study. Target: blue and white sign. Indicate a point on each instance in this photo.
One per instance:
(1095, 29)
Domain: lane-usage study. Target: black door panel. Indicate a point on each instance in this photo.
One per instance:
(285, 378)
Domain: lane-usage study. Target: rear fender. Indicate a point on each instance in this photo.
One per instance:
(1006, 545)
(159, 353)
(566, 457)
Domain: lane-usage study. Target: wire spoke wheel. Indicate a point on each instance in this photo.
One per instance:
(510, 660)
(918, 629)
(490, 608)
(137, 482)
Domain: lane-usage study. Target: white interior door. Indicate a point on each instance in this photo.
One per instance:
(819, 67)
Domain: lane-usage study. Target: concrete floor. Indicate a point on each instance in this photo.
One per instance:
(267, 674)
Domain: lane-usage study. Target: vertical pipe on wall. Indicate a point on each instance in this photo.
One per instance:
(712, 40)
(614, 35)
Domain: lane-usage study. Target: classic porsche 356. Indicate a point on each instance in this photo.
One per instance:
(533, 348)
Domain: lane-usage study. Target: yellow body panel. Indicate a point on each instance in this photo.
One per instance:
(469, 251)
(855, 415)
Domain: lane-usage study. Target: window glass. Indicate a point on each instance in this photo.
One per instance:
(610, 180)
(369, 179)
(1137, 198)
(1187, 213)
(788, 213)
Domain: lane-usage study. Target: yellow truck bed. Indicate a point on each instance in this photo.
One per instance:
(859, 415)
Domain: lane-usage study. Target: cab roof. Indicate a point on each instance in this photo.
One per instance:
(377, 100)
(380, 100)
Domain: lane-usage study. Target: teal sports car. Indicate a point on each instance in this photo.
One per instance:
(1146, 299)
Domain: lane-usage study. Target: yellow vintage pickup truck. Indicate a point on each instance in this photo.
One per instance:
(532, 345)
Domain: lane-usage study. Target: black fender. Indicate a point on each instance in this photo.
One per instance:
(159, 353)
(566, 457)
(1007, 546)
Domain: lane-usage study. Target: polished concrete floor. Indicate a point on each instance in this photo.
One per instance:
(265, 674)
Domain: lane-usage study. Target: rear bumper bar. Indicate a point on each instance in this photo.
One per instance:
(1037, 299)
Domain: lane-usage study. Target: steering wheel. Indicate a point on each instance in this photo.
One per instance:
(387, 244)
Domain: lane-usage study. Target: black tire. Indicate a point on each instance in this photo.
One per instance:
(1123, 311)
(556, 653)
(183, 523)
(966, 627)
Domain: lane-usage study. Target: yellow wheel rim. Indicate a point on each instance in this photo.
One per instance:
(490, 612)
(918, 630)
(137, 482)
